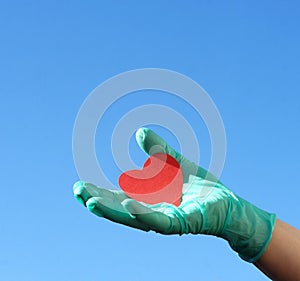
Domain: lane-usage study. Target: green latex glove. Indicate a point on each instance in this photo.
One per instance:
(207, 207)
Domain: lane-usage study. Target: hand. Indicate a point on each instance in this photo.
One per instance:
(207, 207)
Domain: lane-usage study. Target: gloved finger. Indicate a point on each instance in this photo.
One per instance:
(113, 211)
(157, 220)
(83, 191)
(151, 143)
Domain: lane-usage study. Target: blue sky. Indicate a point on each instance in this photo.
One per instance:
(245, 54)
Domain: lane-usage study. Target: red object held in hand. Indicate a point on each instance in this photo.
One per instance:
(160, 180)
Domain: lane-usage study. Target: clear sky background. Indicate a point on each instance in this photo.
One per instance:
(245, 54)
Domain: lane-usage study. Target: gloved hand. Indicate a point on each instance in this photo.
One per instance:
(207, 207)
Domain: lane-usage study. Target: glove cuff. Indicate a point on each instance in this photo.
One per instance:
(248, 229)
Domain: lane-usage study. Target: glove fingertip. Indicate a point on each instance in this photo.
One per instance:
(91, 205)
(140, 136)
(136, 207)
(129, 205)
(78, 185)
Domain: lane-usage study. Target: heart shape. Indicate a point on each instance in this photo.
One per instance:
(160, 180)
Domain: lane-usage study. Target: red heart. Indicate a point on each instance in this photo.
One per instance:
(160, 180)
